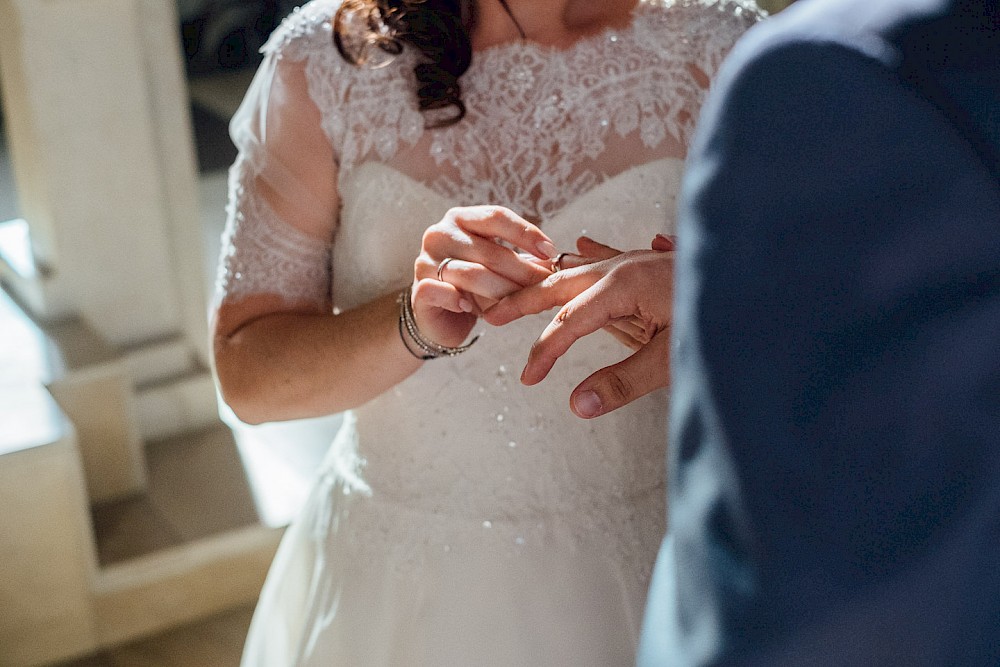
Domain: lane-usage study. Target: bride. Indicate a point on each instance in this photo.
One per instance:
(403, 164)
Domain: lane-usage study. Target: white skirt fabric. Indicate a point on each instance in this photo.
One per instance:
(330, 600)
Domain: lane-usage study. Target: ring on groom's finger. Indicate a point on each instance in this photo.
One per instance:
(444, 263)
(557, 262)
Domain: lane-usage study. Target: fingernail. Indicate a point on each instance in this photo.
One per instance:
(666, 242)
(465, 305)
(587, 404)
(547, 249)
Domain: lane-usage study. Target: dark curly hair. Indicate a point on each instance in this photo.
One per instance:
(439, 29)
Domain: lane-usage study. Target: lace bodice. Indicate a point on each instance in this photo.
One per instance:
(539, 119)
(543, 127)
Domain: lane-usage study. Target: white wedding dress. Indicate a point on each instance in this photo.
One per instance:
(461, 518)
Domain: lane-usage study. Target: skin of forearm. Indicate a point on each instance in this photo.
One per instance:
(290, 366)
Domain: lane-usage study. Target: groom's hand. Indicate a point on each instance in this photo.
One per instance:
(632, 287)
(611, 387)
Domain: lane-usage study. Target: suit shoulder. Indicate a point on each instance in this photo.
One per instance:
(804, 37)
(863, 27)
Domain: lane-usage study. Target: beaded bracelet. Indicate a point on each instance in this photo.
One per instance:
(429, 349)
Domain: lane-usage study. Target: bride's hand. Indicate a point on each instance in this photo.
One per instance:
(448, 297)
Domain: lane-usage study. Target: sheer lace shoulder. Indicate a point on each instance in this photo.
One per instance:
(282, 199)
(377, 97)
(299, 32)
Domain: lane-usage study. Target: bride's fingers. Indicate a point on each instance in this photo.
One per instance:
(478, 280)
(501, 223)
(440, 312)
(442, 295)
(442, 242)
(482, 303)
(520, 268)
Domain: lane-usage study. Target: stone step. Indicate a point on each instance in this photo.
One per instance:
(90, 382)
(197, 488)
(91, 562)
(27, 277)
(47, 547)
(177, 405)
(215, 641)
(177, 585)
(117, 398)
(201, 537)
(192, 544)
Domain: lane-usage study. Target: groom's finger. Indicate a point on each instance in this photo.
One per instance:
(553, 291)
(590, 251)
(591, 310)
(588, 247)
(614, 386)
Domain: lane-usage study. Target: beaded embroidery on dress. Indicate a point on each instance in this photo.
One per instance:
(461, 518)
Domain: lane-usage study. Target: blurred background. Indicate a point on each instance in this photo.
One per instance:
(137, 517)
(226, 34)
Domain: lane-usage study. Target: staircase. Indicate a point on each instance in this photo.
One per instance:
(126, 505)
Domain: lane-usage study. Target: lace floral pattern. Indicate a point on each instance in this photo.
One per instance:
(540, 127)
(539, 119)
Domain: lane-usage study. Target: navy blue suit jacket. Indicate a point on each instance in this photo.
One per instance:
(835, 434)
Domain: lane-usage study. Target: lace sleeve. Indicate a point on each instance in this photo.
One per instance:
(282, 206)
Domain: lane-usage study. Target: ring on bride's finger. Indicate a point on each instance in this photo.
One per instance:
(557, 262)
(444, 263)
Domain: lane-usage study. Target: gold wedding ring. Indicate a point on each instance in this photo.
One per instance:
(444, 263)
(557, 262)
